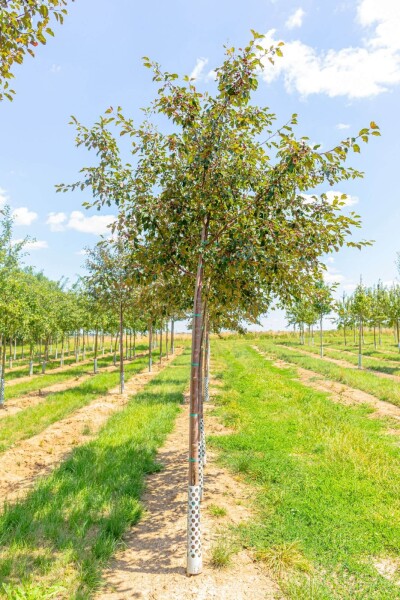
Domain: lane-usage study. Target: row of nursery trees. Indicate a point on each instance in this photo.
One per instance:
(212, 219)
(43, 320)
(374, 307)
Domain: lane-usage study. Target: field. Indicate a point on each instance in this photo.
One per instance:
(311, 443)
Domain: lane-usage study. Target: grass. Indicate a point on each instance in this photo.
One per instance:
(55, 364)
(32, 420)
(384, 389)
(222, 552)
(55, 542)
(371, 364)
(216, 511)
(327, 479)
(15, 390)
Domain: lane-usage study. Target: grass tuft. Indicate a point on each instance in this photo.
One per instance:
(216, 511)
(222, 552)
(283, 557)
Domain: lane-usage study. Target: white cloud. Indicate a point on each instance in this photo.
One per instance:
(55, 68)
(3, 197)
(332, 275)
(56, 221)
(355, 72)
(342, 126)
(82, 252)
(331, 195)
(97, 224)
(348, 201)
(33, 245)
(295, 19)
(199, 68)
(23, 216)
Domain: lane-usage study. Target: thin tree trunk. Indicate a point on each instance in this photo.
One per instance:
(360, 345)
(150, 347)
(3, 370)
(121, 350)
(374, 336)
(96, 337)
(194, 554)
(62, 351)
(31, 360)
(398, 338)
(172, 336)
(161, 330)
(321, 337)
(166, 339)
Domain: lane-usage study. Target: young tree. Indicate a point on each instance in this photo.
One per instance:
(220, 201)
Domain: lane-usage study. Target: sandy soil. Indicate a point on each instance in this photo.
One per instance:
(342, 363)
(340, 392)
(23, 463)
(152, 565)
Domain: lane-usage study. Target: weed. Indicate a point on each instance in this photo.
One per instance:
(216, 511)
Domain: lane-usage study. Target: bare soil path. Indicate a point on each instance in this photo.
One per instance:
(341, 363)
(152, 565)
(22, 464)
(339, 391)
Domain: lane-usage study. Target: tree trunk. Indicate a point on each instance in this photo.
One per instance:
(134, 343)
(172, 336)
(374, 336)
(360, 345)
(398, 338)
(344, 334)
(11, 353)
(161, 329)
(321, 337)
(150, 347)
(96, 337)
(121, 350)
(166, 339)
(62, 351)
(31, 348)
(194, 554)
(3, 370)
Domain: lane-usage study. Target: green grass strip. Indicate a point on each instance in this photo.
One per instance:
(56, 541)
(327, 479)
(381, 366)
(55, 364)
(32, 420)
(384, 389)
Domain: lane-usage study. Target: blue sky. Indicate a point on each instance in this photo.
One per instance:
(341, 69)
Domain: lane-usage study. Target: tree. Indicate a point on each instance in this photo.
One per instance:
(361, 307)
(323, 304)
(23, 25)
(220, 201)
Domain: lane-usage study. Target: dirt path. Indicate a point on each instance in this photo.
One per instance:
(22, 464)
(339, 391)
(152, 565)
(342, 363)
(15, 405)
